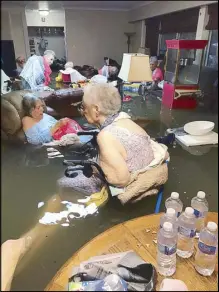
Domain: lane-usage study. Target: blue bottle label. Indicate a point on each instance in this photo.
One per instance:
(198, 214)
(167, 250)
(207, 249)
(187, 232)
(178, 214)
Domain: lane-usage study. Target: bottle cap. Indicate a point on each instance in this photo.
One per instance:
(201, 195)
(189, 211)
(167, 226)
(175, 195)
(171, 211)
(212, 226)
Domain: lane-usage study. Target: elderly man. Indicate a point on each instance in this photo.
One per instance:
(36, 72)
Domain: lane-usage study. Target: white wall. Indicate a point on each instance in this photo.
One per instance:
(14, 27)
(163, 7)
(55, 18)
(5, 26)
(92, 35)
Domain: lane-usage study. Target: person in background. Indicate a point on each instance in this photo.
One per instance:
(75, 75)
(157, 74)
(36, 72)
(20, 61)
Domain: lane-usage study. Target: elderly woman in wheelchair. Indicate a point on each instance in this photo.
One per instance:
(129, 165)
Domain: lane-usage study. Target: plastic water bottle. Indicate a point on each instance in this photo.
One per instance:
(166, 250)
(206, 256)
(200, 206)
(169, 216)
(174, 202)
(186, 233)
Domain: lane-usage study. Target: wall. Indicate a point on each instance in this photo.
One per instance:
(137, 37)
(5, 26)
(55, 18)
(92, 35)
(14, 28)
(55, 43)
(163, 7)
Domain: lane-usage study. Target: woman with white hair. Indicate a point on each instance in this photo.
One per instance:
(36, 72)
(124, 147)
(75, 75)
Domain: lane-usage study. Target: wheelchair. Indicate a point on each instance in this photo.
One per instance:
(87, 165)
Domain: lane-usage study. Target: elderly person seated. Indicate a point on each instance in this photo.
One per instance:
(126, 151)
(75, 76)
(36, 72)
(20, 61)
(157, 74)
(38, 126)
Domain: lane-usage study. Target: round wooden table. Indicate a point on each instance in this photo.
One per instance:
(138, 235)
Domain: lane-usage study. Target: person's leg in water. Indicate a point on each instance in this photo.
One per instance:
(21, 250)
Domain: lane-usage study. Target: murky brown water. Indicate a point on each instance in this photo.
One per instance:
(24, 186)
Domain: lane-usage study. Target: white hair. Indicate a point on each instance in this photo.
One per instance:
(49, 52)
(106, 96)
(69, 65)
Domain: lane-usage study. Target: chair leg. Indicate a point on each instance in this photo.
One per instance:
(159, 200)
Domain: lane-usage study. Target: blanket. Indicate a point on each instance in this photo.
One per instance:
(33, 73)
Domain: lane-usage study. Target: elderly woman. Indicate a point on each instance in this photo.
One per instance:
(36, 72)
(75, 75)
(124, 147)
(38, 126)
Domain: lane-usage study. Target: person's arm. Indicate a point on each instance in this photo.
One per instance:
(112, 161)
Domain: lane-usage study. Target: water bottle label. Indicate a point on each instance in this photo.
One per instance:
(187, 232)
(198, 214)
(178, 214)
(207, 249)
(166, 249)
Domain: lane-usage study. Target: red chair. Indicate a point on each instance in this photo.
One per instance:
(66, 78)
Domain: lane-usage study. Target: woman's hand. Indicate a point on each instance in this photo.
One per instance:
(112, 160)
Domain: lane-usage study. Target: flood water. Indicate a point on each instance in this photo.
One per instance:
(30, 178)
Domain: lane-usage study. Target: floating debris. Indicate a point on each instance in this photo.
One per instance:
(65, 224)
(154, 232)
(155, 241)
(40, 204)
(147, 245)
(147, 230)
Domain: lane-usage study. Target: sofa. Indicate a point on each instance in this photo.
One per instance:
(57, 104)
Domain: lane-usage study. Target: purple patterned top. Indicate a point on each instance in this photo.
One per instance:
(137, 146)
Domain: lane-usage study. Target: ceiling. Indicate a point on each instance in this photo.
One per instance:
(57, 5)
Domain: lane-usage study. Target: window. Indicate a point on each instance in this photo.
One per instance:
(212, 53)
(162, 42)
(171, 36)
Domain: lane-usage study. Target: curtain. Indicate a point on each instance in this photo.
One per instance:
(213, 17)
(181, 21)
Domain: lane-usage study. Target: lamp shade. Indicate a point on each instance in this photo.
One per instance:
(135, 68)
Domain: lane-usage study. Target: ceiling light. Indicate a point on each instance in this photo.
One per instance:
(44, 13)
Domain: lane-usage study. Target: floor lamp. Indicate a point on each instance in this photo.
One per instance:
(129, 35)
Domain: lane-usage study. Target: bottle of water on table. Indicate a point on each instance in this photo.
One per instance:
(200, 206)
(186, 233)
(174, 202)
(166, 250)
(206, 256)
(169, 216)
